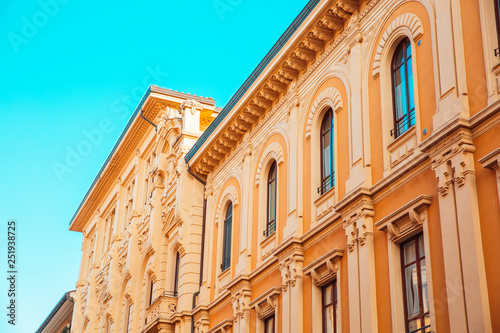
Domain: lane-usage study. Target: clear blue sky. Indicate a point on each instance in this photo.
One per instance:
(64, 69)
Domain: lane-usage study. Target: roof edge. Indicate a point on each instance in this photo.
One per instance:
(297, 22)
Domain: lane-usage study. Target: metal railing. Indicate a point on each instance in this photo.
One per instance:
(327, 184)
(270, 229)
(403, 125)
(423, 330)
(172, 294)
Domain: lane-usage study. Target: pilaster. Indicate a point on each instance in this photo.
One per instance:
(240, 297)
(358, 226)
(291, 261)
(453, 163)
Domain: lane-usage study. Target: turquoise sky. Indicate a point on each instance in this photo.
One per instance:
(68, 66)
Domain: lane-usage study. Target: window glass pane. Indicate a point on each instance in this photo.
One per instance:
(411, 284)
(327, 122)
(400, 93)
(409, 252)
(271, 199)
(329, 319)
(421, 247)
(270, 325)
(398, 57)
(410, 84)
(414, 325)
(326, 155)
(229, 212)
(423, 277)
(327, 294)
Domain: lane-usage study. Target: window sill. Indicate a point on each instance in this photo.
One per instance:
(223, 279)
(268, 245)
(402, 147)
(324, 204)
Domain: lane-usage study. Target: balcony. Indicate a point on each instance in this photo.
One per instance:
(160, 311)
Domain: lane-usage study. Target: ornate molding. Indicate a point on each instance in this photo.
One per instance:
(241, 293)
(230, 194)
(406, 220)
(408, 20)
(331, 94)
(223, 327)
(272, 151)
(325, 268)
(266, 303)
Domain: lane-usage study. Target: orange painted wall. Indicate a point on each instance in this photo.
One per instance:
(425, 183)
(235, 241)
(333, 237)
(342, 146)
(222, 312)
(474, 56)
(424, 71)
(489, 211)
(282, 197)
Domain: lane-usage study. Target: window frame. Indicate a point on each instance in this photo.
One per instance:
(324, 306)
(496, 4)
(130, 313)
(227, 238)
(271, 183)
(409, 117)
(266, 320)
(331, 129)
(176, 274)
(414, 239)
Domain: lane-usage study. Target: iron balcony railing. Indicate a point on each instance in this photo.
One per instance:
(403, 125)
(327, 184)
(271, 228)
(425, 329)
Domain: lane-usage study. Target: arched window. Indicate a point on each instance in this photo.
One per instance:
(327, 156)
(402, 85)
(226, 250)
(271, 201)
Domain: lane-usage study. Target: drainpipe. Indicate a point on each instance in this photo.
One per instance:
(204, 218)
(149, 121)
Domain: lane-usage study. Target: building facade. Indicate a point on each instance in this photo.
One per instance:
(351, 184)
(60, 318)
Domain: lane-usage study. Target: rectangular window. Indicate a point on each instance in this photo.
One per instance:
(329, 306)
(176, 278)
(269, 325)
(414, 274)
(152, 292)
(129, 317)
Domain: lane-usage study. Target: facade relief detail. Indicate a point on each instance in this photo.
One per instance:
(333, 96)
(408, 20)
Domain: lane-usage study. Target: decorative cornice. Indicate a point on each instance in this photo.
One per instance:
(324, 269)
(405, 220)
